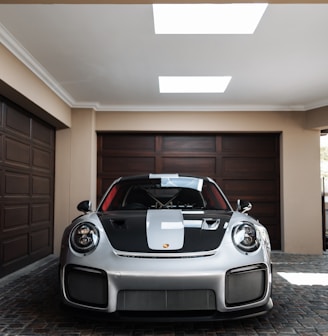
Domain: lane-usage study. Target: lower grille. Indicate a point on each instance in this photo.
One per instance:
(166, 300)
(245, 284)
(86, 286)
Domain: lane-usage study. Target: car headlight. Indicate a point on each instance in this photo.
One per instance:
(245, 237)
(84, 237)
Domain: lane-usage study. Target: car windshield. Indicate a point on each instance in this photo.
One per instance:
(164, 193)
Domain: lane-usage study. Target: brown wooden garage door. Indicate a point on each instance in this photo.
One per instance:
(26, 190)
(244, 165)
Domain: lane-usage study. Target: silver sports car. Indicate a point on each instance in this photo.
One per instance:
(166, 246)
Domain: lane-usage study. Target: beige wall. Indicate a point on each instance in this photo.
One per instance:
(317, 118)
(76, 169)
(62, 214)
(76, 147)
(17, 76)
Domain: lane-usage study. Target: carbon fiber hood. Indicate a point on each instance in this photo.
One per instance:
(163, 231)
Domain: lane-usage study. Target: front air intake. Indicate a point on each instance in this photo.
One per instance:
(245, 284)
(87, 286)
(166, 300)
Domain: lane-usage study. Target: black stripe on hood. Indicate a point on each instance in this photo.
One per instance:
(126, 230)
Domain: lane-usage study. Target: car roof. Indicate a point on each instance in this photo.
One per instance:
(159, 176)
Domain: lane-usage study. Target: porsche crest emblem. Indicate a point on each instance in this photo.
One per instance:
(166, 245)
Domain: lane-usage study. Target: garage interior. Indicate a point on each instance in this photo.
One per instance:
(58, 147)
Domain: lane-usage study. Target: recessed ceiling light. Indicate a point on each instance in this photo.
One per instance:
(193, 84)
(207, 18)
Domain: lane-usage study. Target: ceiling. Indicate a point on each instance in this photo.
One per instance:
(107, 57)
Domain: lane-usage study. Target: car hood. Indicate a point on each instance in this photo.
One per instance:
(165, 230)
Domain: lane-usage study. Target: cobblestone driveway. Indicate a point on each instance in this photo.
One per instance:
(29, 305)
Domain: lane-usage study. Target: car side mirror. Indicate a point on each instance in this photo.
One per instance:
(243, 206)
(84, 206)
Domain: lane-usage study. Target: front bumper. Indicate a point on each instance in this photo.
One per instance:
(170, 288)
(173, 316)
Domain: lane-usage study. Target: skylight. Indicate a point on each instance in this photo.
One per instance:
(193, 84)
(207, 18)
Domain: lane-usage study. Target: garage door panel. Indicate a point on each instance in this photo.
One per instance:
(266, 209)
(195, 165)
(42, 134)
(1, 144)
(17, 122)
(249, 143)
(250, 190)
(17, 152)
(188, 144)
(16, 183)
(41, 185)
(15, 217)
(40, 213)
(128, 143)
(271, 219)
(248, 167)
(128, 163)
(41, 159)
